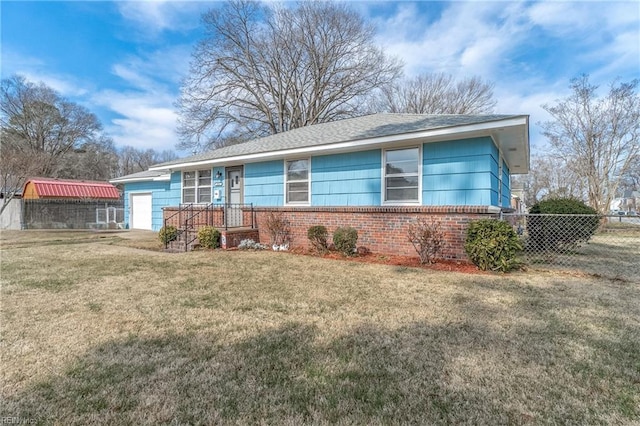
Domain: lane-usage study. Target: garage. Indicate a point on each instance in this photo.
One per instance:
(140, 215)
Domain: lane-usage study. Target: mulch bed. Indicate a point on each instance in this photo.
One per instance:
(396, 260)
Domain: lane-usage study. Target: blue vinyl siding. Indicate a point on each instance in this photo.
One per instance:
(163, 194)
(351, 179)
(460, 172)
(506, 186)
(264, 183)
(218, 185)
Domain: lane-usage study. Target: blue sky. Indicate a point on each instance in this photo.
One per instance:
(124, 60)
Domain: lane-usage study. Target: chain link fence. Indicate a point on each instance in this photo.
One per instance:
(601, 245)
(72, 214)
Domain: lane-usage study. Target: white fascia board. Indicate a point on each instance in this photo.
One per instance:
(162, 178)
(447, 132)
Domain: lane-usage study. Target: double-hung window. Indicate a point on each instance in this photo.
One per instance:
(297, 181)
(196, 186)
(402, 175)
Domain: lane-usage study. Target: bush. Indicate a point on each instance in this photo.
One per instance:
(317, 236)
(426, 238)
(492, 245)
(279, 229)
(345, 239)
(209, 237)
(562, 232)
(167, 234)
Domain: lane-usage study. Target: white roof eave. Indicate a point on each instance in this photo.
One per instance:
(433, 135)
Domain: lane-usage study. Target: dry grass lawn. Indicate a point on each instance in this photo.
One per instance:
(97, 328)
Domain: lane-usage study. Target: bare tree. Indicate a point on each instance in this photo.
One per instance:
(550, 176)
(133, 160)
(38, 128)
(631, 179)
(96, 160)
(35, 118)
(600, 136)
(16, 166)
(438, 94)
(265, 69)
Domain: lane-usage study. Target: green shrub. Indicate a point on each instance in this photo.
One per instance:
(209, 237)
(167, 234)
(317, 236)
(572, 222)
(345, 239)
(492, 245)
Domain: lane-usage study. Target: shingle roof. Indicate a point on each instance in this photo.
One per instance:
(365, 127)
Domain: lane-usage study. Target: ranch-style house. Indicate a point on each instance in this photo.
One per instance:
(376, 173)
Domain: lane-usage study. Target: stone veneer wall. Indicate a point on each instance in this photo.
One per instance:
(380, 229)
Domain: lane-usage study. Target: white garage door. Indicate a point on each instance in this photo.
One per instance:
(141, 211)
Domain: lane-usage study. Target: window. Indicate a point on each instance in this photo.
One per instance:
(196, 187)
(401, 175)
(297, 181)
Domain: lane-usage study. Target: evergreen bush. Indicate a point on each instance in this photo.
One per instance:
(492, 245)
(572, 222)
(209, 237)
(167, 234)
(317, 236)
(345, 239)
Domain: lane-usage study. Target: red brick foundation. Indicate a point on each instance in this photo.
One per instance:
(380, 229)
(231, 238)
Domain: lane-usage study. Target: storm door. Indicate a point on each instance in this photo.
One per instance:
(235, 196)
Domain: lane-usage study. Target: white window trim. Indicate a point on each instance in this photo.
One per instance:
(383, 183)
(301, 204)
(197, 186)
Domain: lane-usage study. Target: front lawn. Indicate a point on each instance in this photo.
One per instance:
(98, 329)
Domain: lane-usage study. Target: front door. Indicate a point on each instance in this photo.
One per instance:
(234, 197)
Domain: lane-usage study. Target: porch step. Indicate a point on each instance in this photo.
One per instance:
(178, 246)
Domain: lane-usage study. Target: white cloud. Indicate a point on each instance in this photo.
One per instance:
(468, 38)
(623, 54)
(577, 19)
(36, 71)
(146, 119)
(500, 42)
(64, 85)
(154, 16)
(164, 66)
(145, 114)
(605, 36)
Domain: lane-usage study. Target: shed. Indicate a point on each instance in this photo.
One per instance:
(40, 188)
(71, 204)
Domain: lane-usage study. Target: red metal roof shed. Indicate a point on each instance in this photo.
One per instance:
(69, 189)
